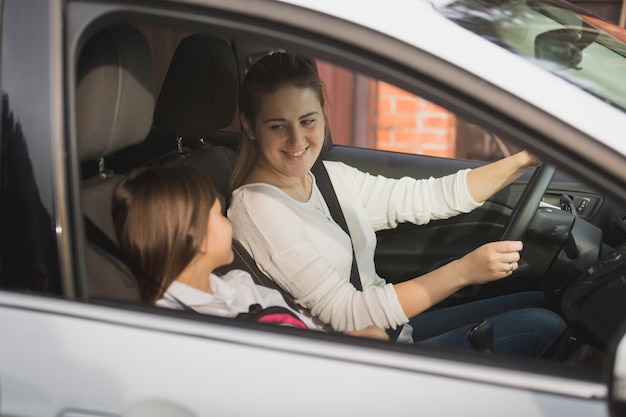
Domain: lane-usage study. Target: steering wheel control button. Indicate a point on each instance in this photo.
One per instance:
(582, 205)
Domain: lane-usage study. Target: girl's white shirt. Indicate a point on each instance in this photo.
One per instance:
(231, 294)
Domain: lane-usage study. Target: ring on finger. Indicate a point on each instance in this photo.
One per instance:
(510, 267)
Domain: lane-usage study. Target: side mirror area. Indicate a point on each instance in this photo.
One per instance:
(563, 48)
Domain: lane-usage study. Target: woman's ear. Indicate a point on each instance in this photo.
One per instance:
(246, 125)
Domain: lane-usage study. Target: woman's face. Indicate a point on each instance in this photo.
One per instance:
(219, 237)
(290, 130)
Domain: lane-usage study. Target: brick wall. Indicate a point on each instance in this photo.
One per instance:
(407, 123)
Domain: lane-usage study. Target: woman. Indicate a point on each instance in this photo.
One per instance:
(280, 216)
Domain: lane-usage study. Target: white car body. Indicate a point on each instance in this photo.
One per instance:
(70, 358)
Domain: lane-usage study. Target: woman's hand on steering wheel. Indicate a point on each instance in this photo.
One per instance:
(490, 262)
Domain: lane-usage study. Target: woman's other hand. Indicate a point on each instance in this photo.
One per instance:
(486, 180)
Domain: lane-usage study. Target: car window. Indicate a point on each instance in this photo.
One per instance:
(365, 112)
(371, 113)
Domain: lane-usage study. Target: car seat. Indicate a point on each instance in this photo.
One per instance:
(114, 107)
(198, 98)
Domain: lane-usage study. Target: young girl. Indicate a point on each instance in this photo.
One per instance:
(169, 220)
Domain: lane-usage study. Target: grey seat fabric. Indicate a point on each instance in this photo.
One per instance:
(114, 108)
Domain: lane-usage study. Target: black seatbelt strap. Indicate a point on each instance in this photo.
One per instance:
(96, 236)
(328, 192)
(244, 261)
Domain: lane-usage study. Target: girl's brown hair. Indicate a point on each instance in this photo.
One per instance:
(266, 76)
(160, 217)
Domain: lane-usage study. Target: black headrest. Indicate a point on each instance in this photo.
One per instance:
(199, 93)
(114, 92)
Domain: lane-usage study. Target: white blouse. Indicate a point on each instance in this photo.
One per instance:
(300, 246)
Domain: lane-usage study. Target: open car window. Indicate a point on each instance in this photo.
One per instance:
(371, 113)
(185, 128)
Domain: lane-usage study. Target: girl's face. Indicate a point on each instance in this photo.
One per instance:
(219, 237)
(290, 130)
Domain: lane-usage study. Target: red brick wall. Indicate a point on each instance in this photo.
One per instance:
(399, 121)
(407, 123)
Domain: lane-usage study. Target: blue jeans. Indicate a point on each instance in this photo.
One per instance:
(522, 324)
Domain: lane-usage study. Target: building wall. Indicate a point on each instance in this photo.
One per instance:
(407, 123)
(606, 9)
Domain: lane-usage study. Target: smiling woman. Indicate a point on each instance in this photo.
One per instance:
(290, 142)
(281, 217)
(283, 162)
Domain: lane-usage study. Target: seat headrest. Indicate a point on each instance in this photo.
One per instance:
(114, 93)
(199, 93)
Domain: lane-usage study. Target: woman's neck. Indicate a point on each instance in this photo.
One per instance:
(298, 188)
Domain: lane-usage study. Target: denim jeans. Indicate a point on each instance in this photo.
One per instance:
(522, 324)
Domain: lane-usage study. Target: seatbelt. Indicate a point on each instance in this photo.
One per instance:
(244, 261)
(96, 236)
(328, 192)
(330, 196)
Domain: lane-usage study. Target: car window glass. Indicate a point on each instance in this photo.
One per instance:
(371, 113)
(567, 41)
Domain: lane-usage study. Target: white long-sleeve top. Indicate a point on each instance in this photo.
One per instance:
(300, 247)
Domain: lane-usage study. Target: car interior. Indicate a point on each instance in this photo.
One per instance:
(159, 95)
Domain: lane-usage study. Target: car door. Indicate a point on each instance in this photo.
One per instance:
(70, 359)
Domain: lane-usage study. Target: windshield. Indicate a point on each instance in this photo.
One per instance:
(584, 50)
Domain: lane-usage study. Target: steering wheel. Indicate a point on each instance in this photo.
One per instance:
(528, 203)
